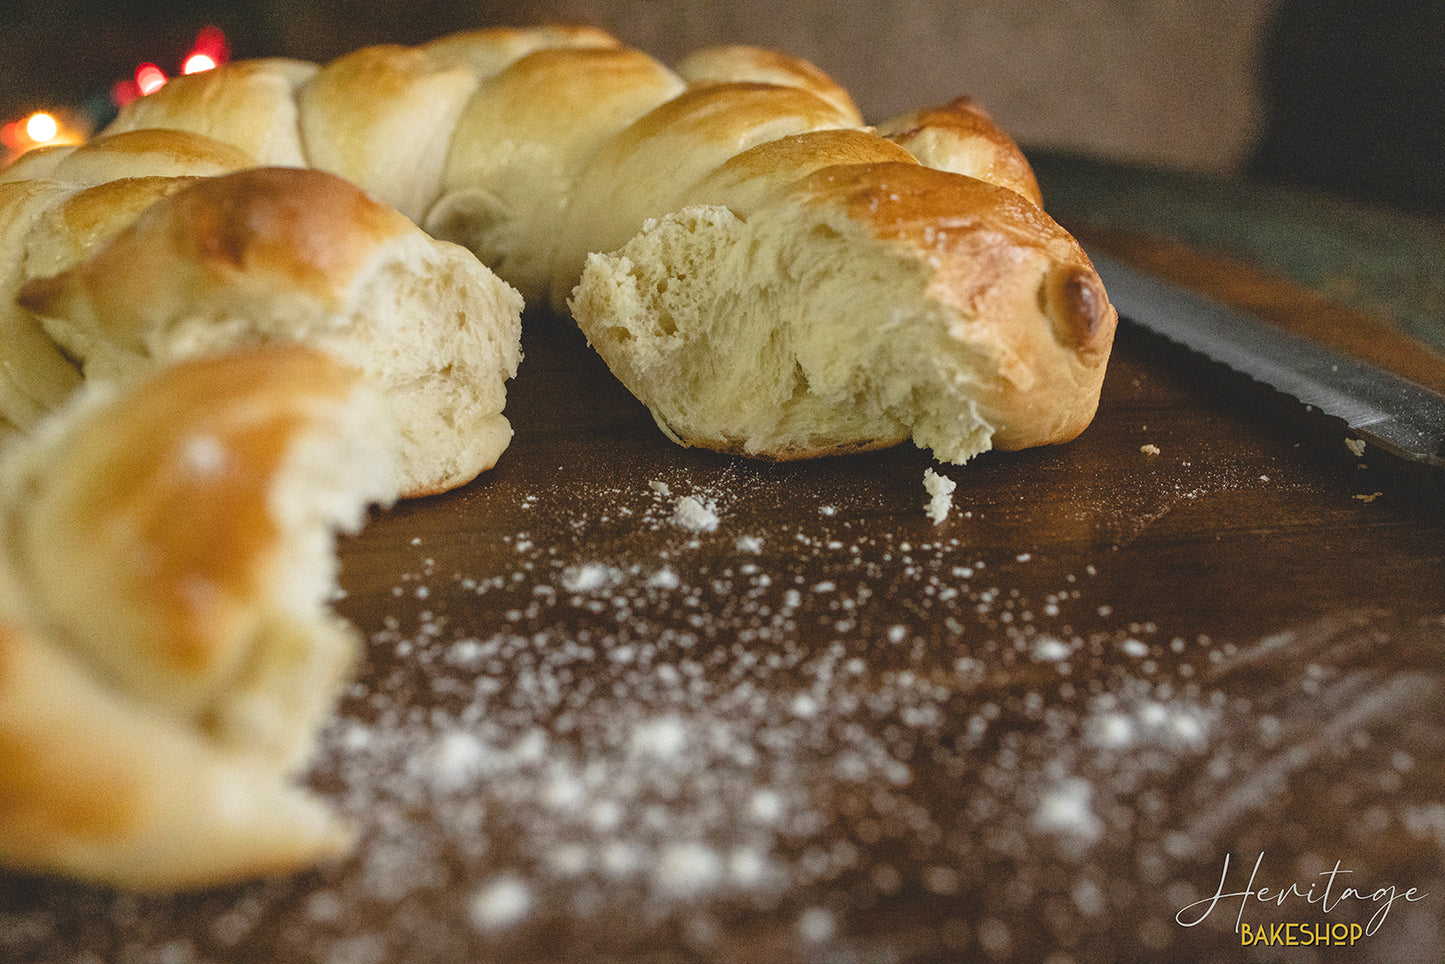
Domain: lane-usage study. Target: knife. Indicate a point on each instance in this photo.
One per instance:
(1383, 408)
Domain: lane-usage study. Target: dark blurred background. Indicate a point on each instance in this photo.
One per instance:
(1344, 95)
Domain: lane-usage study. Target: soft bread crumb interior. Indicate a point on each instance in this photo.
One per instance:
(301, 649)
(433, 329)
(763, 338)
(441, 335)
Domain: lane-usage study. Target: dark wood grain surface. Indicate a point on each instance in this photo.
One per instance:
(627, 701)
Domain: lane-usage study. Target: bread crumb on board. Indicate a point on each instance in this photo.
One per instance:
(940, 495)
(1149, 448)
(1356, 446)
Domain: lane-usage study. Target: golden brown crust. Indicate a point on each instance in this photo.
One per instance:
(149, 153)
(935, 209)
(131, 487)
(749, 178)
(978, 237)
(279, 229)
(512, 169)
(490, 49)
(247, 103)
(740, 63)
(590, 93)
(74, 228)
(409, 98)
(687, 137)
(962, 137)
(732, 117)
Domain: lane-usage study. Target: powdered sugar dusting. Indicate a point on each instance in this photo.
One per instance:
(694, 513)
(652, 732)
(727, 734)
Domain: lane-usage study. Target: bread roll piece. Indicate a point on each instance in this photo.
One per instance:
(647, 168)
(739, 63)
(394, 140)
(513, 170)
(166, 652)
(961, 137)
(57, 210)
(857, 307)
(248, 103)
(293, 255)
(35, 376)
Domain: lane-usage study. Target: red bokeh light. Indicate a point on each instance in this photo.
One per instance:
(209, 50)
(149, 78)
(210, 42)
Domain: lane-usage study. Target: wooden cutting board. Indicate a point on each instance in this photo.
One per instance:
(627, 701)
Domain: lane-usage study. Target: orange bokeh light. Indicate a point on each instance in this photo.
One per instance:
(41, 128)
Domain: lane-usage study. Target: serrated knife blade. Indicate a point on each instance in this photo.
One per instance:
(1383, 408)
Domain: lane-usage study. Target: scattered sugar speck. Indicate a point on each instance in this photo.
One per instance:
(1109, 730)
(1066, 810)
(1050, 650)
(688, 867)
(753, 544)
(588, 577)
(766, 805)
(662, 737)
(816, 925)
(1135, 648)
(691, 512)
(664, 578)
(502, 903)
